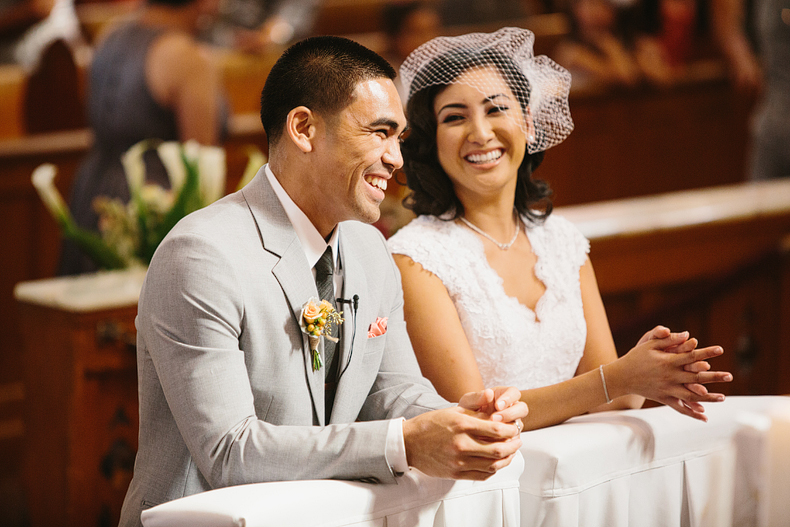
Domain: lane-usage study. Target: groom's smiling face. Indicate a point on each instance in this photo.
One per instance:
(359, 149)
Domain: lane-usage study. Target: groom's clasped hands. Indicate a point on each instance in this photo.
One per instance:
(469, 441)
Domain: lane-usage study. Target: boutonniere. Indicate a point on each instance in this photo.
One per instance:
(317, 321)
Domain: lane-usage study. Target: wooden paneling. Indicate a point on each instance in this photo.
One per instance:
(80, 414)
(12, 85)
(648, 141)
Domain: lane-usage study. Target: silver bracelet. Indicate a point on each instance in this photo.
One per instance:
(603, 381)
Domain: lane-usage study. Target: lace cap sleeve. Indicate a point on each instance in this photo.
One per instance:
(568, 241)
(430, 242)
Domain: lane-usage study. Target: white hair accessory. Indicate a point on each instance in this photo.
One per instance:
(537, 82)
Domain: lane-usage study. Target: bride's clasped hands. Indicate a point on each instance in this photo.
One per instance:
(667, 368)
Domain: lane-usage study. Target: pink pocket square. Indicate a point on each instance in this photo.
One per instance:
(379, 327)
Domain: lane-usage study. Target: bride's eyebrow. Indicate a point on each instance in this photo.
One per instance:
(452, 105)
(491, 98)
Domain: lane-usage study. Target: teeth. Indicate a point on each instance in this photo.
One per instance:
(379, 183)
(484, 158)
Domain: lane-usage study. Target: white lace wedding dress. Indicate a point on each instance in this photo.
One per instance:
(513, 345)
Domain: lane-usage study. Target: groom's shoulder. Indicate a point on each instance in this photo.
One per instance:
(358, 232)
(216, 219)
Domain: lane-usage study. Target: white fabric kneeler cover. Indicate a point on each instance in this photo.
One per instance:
(636, 468)
(417, 500)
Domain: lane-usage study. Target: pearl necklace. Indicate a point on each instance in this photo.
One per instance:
(478, 230)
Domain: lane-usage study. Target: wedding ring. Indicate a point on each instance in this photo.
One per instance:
(519, 425)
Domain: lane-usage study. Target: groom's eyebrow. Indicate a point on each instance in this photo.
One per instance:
(386, 122)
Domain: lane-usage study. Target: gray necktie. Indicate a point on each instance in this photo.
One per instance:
(324, 281)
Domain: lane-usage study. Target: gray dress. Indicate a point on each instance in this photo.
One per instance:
(122, 112)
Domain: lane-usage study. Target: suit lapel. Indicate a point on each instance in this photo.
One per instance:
(354, 283)
(292, 270)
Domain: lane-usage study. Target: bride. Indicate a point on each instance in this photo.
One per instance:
(497, 290)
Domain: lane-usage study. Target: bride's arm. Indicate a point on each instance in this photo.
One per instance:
(436, 333)
(599, 347)
(647, 370)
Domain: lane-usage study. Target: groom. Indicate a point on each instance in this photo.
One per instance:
(229, 392)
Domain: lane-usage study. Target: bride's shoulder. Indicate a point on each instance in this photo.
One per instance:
(558, 225)
(558, 235)
(423, 232)
(421, 227)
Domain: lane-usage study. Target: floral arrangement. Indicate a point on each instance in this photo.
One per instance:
(317, 320)
(129, 233)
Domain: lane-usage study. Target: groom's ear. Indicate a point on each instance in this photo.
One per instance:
(300, 128)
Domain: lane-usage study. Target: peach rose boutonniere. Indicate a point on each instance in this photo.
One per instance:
(379, 327)
(317, 320)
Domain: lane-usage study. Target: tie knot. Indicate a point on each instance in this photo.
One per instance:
(325, 265)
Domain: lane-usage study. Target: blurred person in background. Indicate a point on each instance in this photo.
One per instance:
(149, 79)
(407, 25)
(605, 46)
(760, 70)
(475, 12)
(256, 26)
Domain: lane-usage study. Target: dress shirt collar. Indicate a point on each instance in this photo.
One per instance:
(312, 242)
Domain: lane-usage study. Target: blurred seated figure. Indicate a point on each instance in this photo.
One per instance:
(678, 21)
(257, 25)
(760, 70)
(408, 25)
(605, 47)
(149, 78)
(469, 12)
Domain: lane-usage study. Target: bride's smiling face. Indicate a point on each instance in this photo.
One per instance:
(479, 137)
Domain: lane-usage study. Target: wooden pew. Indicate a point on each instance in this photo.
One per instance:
(12, 85)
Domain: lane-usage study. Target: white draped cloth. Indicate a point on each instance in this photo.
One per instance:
(416, 501)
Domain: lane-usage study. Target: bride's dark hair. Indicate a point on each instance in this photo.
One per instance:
(432, 191)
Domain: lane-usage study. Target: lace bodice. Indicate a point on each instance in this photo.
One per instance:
(513, 345)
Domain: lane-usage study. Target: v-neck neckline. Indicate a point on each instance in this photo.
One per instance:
(501, 282)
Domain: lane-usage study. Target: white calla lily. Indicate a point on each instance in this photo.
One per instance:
(134, 166)
(44, 181)
(170, 154)
(212, 168)
(256, 160)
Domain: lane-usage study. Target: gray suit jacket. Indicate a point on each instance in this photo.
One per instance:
(226, 387)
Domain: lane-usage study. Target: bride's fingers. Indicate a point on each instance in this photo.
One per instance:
(675, 342)
(704, 377)
(697, 367)
(697, 389)
(681, 407)
(699, 354)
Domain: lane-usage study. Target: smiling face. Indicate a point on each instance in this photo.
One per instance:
(359, 149)
(480, 141)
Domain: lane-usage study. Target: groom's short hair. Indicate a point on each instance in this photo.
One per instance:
(319, 73)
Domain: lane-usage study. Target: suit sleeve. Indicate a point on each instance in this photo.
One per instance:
(400, 390)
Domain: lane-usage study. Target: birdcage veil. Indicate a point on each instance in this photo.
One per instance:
(537, 82)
